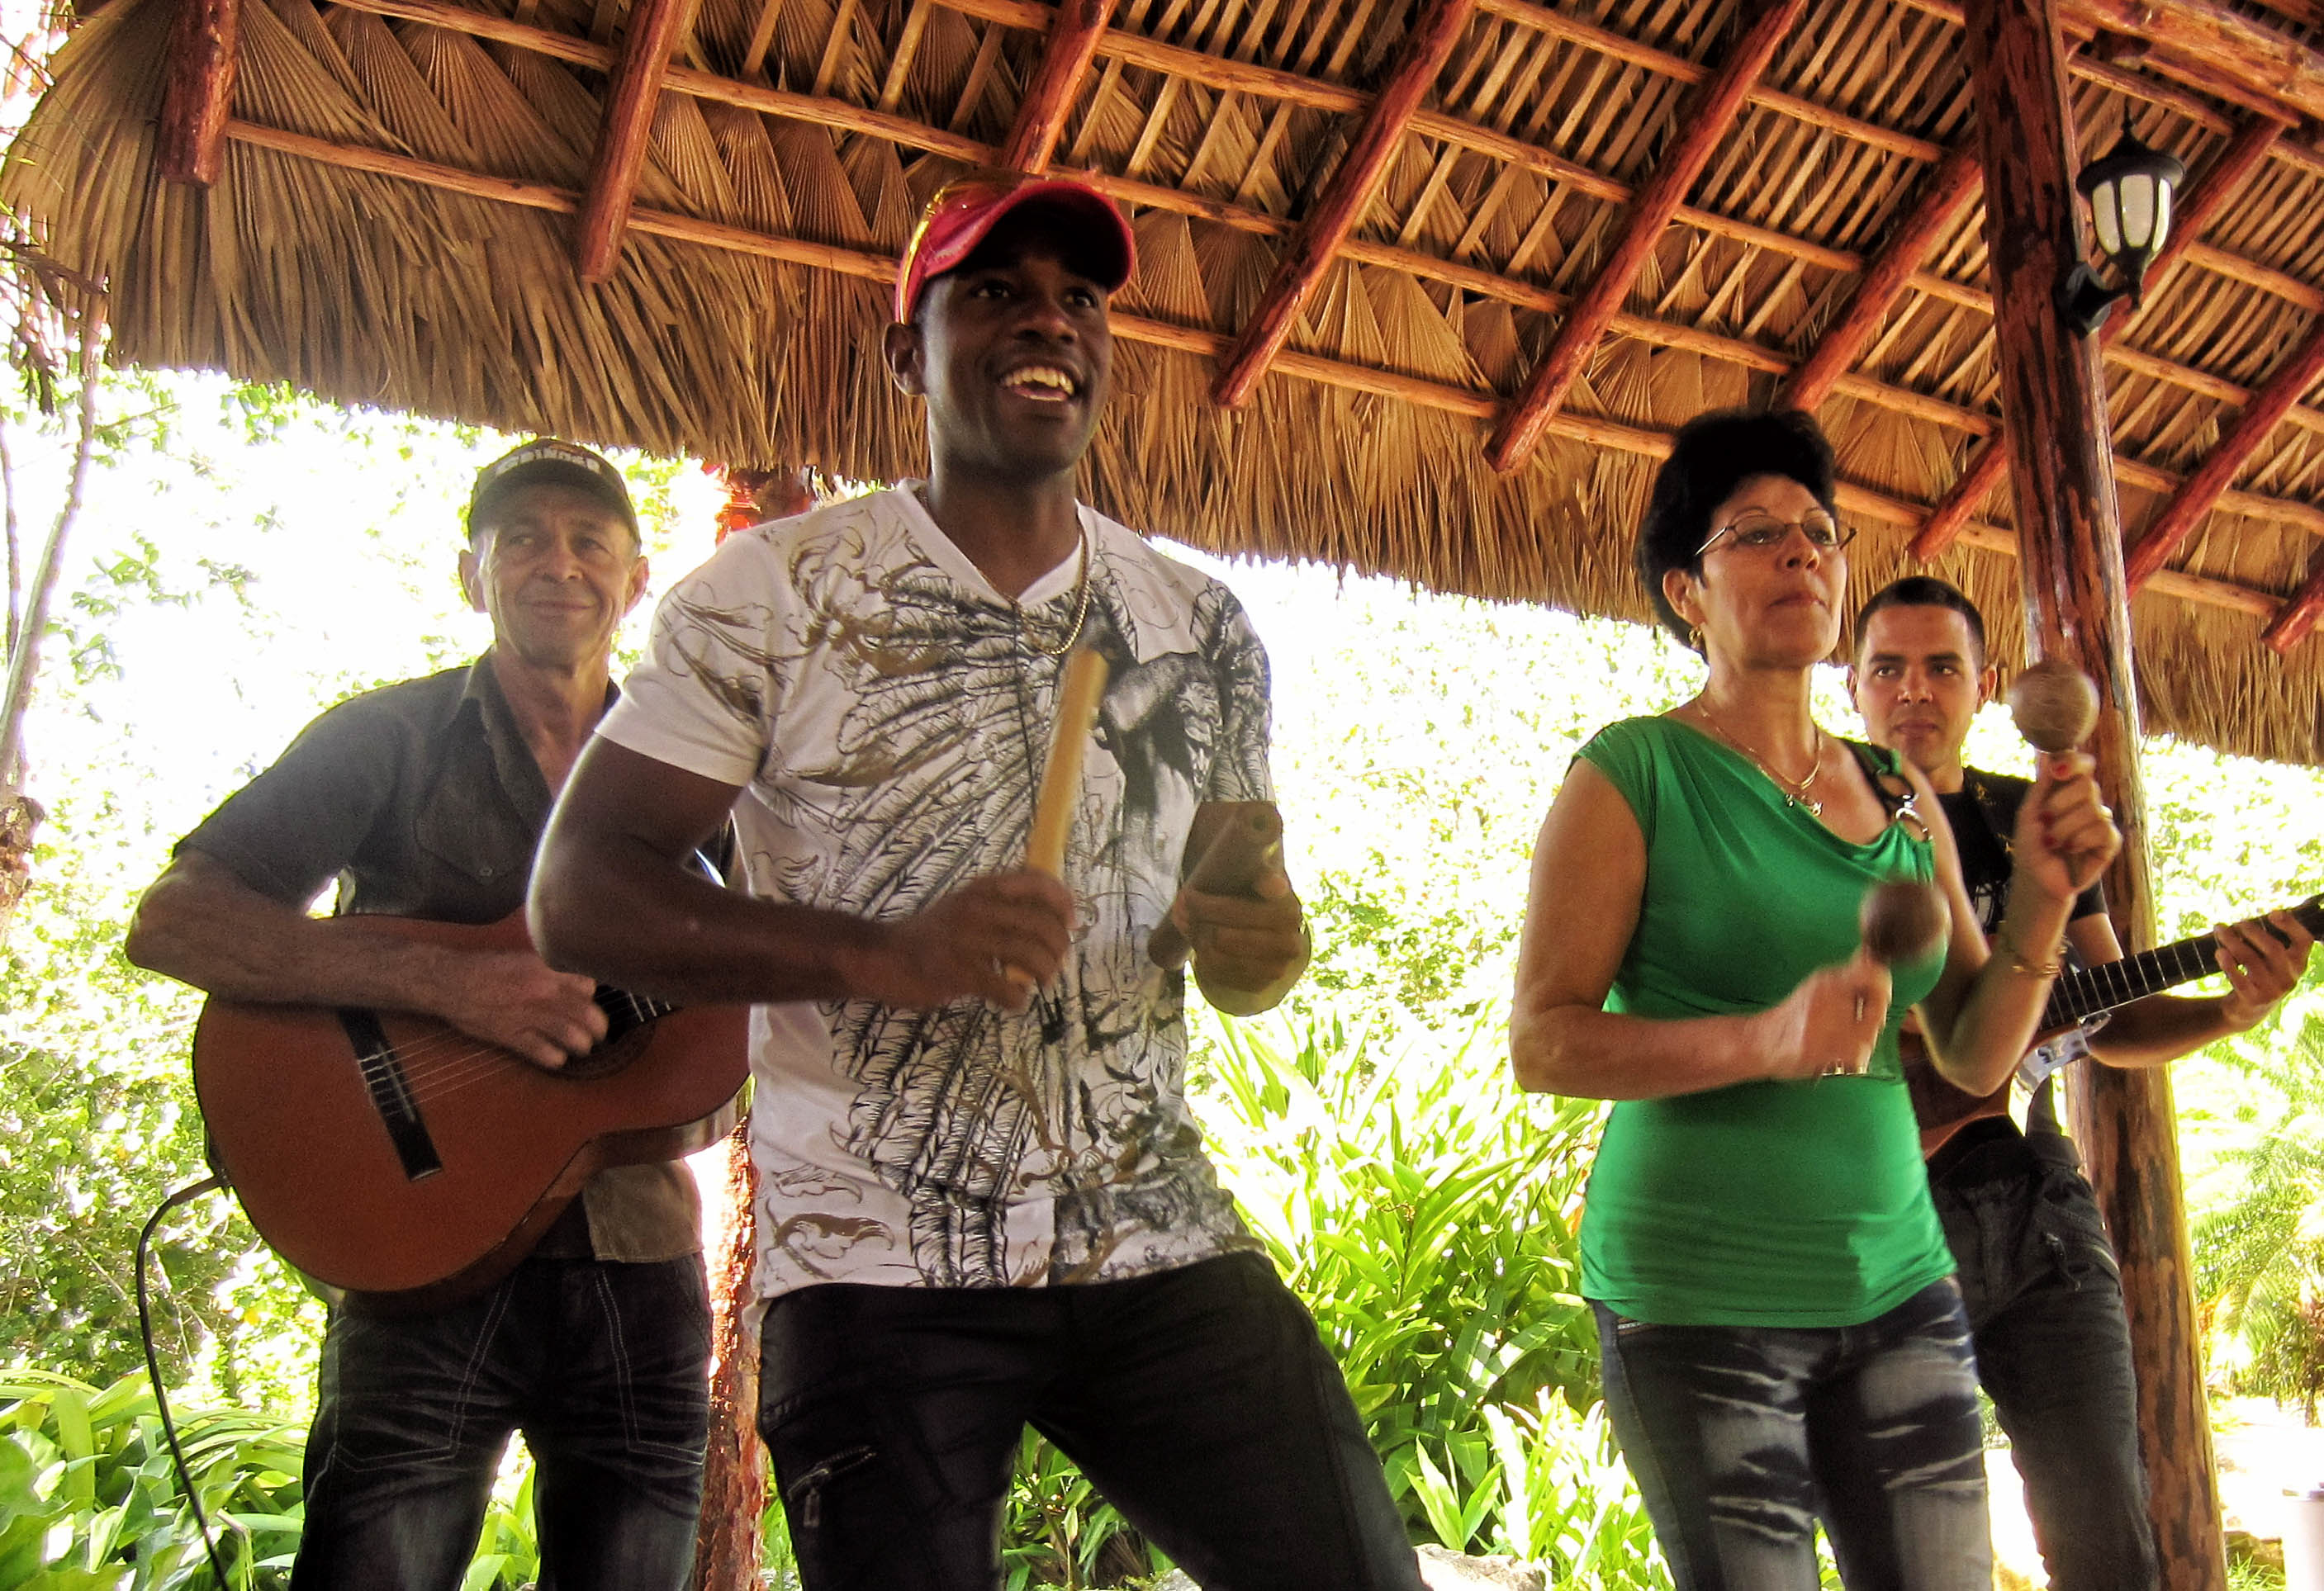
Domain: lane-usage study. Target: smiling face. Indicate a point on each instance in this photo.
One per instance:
(1772, 606)
(1918, 679)
(556, 567)
(1013, 353)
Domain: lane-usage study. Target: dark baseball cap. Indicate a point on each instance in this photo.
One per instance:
(546, 461)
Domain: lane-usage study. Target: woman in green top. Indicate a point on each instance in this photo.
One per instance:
(1783, 1339)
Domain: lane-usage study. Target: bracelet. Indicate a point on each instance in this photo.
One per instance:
(2020, 964)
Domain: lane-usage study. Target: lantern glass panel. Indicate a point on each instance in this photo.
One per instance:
(2163, 191)
(2106, 213)
(2138, 211)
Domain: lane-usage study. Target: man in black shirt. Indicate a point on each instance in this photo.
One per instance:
(2043, 1295)
(425, 799)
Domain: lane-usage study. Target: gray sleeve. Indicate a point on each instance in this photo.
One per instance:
(289, 832)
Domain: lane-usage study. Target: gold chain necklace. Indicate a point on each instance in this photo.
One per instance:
(1793, 791)
(1081, 610)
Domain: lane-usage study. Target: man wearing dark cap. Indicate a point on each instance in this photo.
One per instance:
(424, 799)
(984, 1203)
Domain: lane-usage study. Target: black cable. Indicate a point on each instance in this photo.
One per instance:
(153, 1366)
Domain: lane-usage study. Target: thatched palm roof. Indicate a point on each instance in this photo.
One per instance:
(1618, 188)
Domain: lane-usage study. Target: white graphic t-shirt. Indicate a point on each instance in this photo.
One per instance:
(888, 713)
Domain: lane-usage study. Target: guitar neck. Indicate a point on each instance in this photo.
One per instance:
(624, 1011)
(2079, 996)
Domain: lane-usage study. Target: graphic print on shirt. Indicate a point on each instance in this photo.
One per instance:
(938, 703)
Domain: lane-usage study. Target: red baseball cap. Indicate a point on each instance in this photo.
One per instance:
(964, 214)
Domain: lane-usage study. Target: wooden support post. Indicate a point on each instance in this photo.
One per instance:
(2062, 477)
(2236, 165)
(1712, 113)
(1048, 99)
(1949, 191)
(2291, 626)
(189, 144)
(1344, 200)
(654, 26)
(735, 1467)
(2178, 519)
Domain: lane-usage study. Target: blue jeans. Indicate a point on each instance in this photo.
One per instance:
(2044, 1301)
(601, 1364)
(1198, 1400)
(1742, 1437)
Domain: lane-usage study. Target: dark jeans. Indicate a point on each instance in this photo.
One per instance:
(601, 1364)
(2045, 1307)
(1742, 1437)
(1199, 1401)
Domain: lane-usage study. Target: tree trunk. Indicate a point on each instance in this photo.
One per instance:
(734, 1472)
(20, 814)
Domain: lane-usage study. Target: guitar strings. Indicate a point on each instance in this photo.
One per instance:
(445, 1063)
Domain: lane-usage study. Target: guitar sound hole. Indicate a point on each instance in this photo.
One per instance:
(608, 1057)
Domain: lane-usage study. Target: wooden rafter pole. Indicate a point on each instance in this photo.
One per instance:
(2178, 519)
(2077, 607)
(1048, 99)
(1435, 396)
(2209, 36)
(189, 143)
(654, 27)
(2291, 626)
(1419, 57)
(2237, 164)
(1713, 112)
(1945, 197)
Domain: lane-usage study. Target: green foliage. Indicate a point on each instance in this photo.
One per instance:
(88, 1496)
(2259, 1254)
(1060, 1533)
(90, 1499)
(1419, 1206)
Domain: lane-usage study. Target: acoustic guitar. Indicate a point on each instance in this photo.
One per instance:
(1943, 1110)
(388, 1153)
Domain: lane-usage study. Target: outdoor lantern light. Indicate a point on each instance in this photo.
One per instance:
(2129, 193)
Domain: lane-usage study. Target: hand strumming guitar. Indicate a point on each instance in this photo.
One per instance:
(517, 1001)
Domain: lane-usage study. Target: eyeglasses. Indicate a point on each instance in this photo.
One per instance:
(1759, 532)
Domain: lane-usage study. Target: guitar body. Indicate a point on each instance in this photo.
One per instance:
(387, 1152)
(1941, 1110)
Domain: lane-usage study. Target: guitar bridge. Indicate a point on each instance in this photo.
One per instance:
(391, 1094)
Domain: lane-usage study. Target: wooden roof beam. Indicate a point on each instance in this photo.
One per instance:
(2177, 520)
(1065, 57)
(653, 30)
(918, 135)
(189, 143)
(1345, 198)
(2259, 58)
(1651, 211)
(877, 267)
(2201, 43)
(2236, 165)
(1946, 197)
(2291, 626)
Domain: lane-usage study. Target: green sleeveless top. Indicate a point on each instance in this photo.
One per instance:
(1799, 1204)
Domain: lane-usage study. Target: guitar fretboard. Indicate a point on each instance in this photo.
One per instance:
(624, 1011)
(2085, 994)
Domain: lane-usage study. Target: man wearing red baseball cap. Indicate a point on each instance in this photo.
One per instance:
(984, 1203)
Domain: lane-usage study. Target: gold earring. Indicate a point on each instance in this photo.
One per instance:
(1694, 636)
